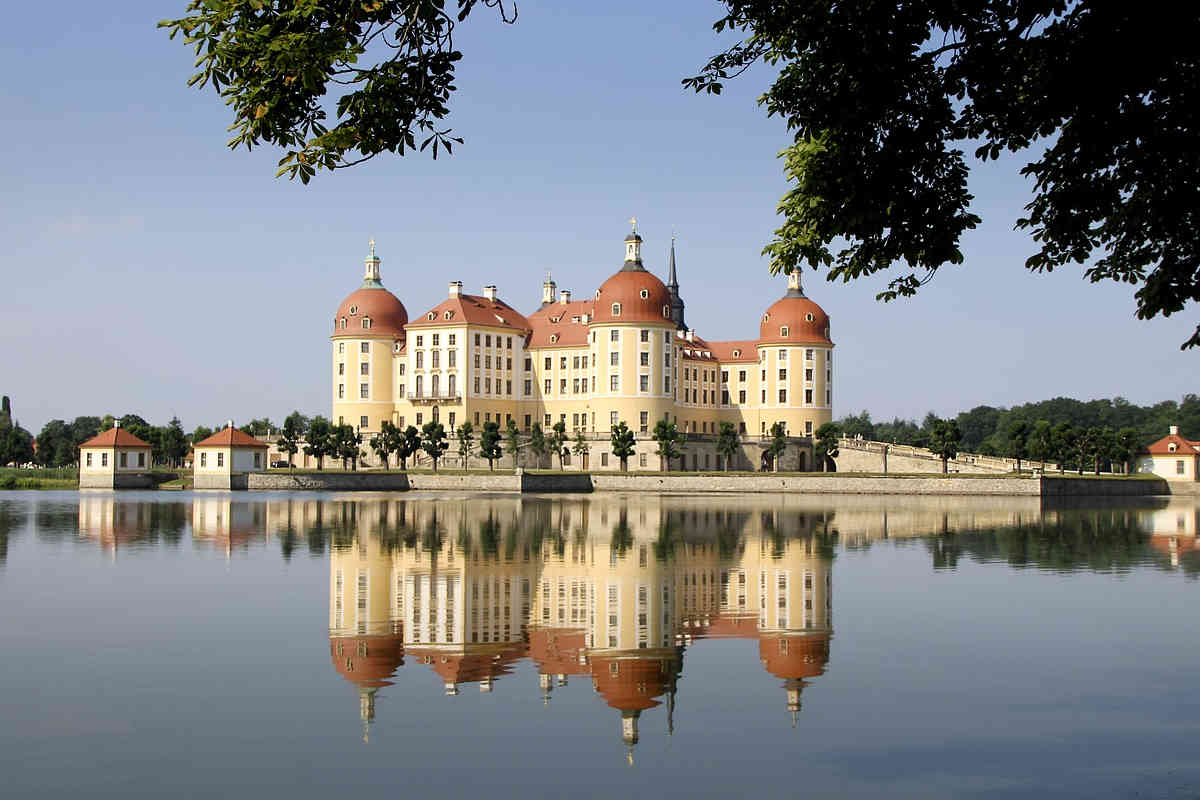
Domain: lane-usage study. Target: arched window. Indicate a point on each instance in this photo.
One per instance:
(616, 309)
(553, 338)
(431, 316)
(343, 323)
(435, 413)
(667, 312)
(766, 317)
(737, 353)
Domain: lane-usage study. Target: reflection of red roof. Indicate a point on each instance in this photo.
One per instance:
(630, 683)
(556, 651)
(115, 437)
(1182, 446)
(231, 437)
(794, 655)
(730, 625)
(476, 662)
(475, 310)
(554, 319)
(367, 661)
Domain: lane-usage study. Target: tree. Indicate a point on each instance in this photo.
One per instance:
(828, 436)
(489, 443)
(557, 440)
(622, 444)
(729, 443)
(670, 442)
(433, 441)
(465, 435)
(778, 444)
(537, 443)
(299, 423)
(1063, 437)
(275, 62)
(581, 448)
(258, 427)
(1105, 448)
(201, 433)
(290, 436)
(512, 437)
(347, 445)
(320, 440)
(1085, 443)
(1126, 448)
(409, 446)
(1018, 441)
(880, 99)
(384, 442)
(943, 441)
(174, 442)
(1041, 441)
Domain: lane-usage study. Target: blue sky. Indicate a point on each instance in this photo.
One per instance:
(148, 269)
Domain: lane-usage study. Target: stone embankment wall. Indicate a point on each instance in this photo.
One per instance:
(109, 480)
(685, 483)
(865, 456)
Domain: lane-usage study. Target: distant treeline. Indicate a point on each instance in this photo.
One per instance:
(987, 429)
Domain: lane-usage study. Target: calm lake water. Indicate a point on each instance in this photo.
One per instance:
(204, 645)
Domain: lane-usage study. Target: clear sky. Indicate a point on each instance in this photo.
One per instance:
(147, 269)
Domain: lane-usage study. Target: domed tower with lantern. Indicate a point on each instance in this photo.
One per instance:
(368, 331)
(795, 360)
(631, 337)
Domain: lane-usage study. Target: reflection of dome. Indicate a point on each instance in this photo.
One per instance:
(367, 661)
(386, 313)
(632, 683)
(559, 652)
(798, 655)
(805, 321)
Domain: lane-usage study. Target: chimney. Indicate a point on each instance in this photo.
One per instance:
(691, 335)
(489, 292)
(455, 289)
(1174, 429)
(117, 423)
(229, 424)
(564, 296)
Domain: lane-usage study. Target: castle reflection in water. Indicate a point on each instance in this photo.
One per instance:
(608, 588)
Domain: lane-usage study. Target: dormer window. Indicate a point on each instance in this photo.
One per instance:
(366, 322)
(396, 349)
(1171, 447)
(431, 316)
(667, 312)
(353, 310)
(555, 319)
(783, 331)
(644, 294)
(553, 338)
(616, 309)
(574, 319)
(766, 317)
(737, 353)
(343, 323)
(808, 317)
(448, 315)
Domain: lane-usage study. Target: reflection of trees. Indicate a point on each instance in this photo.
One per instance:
(333, 527)
(1103, 540)
(622, 535)
(12, 519)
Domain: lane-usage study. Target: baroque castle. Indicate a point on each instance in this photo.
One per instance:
(626, 354)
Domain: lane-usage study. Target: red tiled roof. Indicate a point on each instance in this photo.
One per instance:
(475, 310)
(697, 349)
(626, 287)
(114, 437)
(387, 314)
(231, 437)
(1163, 446)
(792, 312)
(747, 350)
(554, 319)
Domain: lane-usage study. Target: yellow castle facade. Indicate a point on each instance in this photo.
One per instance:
(625, 354)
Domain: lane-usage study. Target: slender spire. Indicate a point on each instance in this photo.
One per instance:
(672, 281)
(673, 290)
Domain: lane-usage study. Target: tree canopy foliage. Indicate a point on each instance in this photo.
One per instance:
(882, 97)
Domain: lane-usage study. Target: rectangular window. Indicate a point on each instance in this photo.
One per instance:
(476, 384)
(400, 391)
(562, 362)
(89, 459)
(641, 459)
(363, 390)
(547, 422)
(604, 459)
(420, 359)
(808, 355)
(808, 427)
(644, 359)
(341, 391)
(420, 419)
(363, 422)
(141, 459)
(724, 397)
(724, 376)
(487, 340)
(364, 368)
(401, 367)
(783, 395)
(644, 421)
(613, 358)
(575, 362)
(508, 343)
(487, 385)
(487, 362)
(562, 386)
(434, 358)
(420, 341)
(783, 374)
(742, 396)
(612, 418)
(742, 427)
(528, 388)
(742, 375)
(548, 363)
(808, 396)
(508, 363)
(528, 364)
(667, 384)
(451, 359)
(528, 421)
(575, 386)
(614, 335)
(124, 459)
(808, 375)
(612, 383)
(1180, 468)
(452, 415)
(342, 368)
(341, 347)
(645, 336)
(782, 354)
(644, 383)
(828, 397)
(451, 339)
(764, 397)
(365, 347)
(220, 459)
(547, 389)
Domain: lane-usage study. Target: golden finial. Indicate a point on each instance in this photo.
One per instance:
(371, 244)
(633, 222)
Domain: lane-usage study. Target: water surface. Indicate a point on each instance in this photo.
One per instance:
(214, 644)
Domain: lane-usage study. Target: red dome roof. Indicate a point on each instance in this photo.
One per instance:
(801, 655)
(387, 314)
(367, 661)
(805, 321)
(627, 287)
